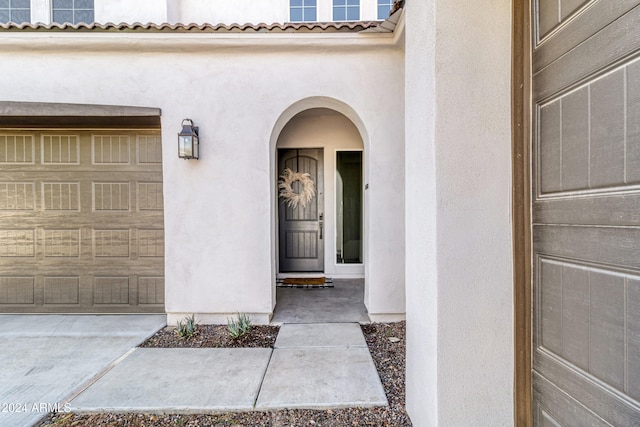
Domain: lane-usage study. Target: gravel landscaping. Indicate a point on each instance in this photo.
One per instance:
(386, 343)
(214, 336)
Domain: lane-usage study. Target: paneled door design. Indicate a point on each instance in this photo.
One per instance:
(301, 228)
(586, 213)
(81, 221)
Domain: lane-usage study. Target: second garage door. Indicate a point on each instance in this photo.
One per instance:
(81, 221)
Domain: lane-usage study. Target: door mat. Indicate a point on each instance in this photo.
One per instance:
(305, 282)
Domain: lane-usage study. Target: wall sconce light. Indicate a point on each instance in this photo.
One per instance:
(188, 141)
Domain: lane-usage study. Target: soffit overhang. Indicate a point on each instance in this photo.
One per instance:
(50, 114)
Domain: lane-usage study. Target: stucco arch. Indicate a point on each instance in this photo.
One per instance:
(318, 102)
(279, 125)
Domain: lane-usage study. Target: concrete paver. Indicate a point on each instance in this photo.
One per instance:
(317, 378)
(184, 380)
(46, 358)
(320, 335)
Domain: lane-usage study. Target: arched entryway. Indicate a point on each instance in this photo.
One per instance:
(324, 235)
(321, 236)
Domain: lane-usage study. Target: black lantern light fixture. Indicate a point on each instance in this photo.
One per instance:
(188, 141)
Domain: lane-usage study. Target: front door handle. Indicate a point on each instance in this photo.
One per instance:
(321, 225)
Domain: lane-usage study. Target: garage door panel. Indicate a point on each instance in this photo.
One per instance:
(149, 196)
(582, 315)
(78, 220)
(587, 138)
(110, 196)
(575, 23)
(111, 149)
(60, 149)
(588, 395)
(111, 290)
(17, 196)
(614, 45)
(613, 209)
(149, 149)
(62, 243)
(60, 265)
(73, 242)
(83, 222)
(62, 290)
(17, 243)
(16, 289)
(17, 149)
(71, 292)
(555, 408)
(88, 168)
(150, 243)
(150, 290)
(614, 246)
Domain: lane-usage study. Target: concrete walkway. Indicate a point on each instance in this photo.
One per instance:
(342, 303)
(311, 366)
(87, 363)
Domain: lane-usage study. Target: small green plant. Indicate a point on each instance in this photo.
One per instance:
(187, 327)
(238, 327)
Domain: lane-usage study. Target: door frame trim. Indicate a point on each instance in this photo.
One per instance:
(521, 199)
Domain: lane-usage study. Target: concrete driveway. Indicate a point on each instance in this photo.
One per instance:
(48, 359)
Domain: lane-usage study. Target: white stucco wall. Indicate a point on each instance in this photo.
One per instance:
(219, 210)
(421, 215)
(128, 11)
(41, 11)
(458, 215)
(228, 12)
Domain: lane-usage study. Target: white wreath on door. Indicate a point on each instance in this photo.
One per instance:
(291, 198)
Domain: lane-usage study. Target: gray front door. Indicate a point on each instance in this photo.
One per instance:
(301, 228)
(586, 213)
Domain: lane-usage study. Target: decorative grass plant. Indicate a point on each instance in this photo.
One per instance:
(239, 326)
(187, 327)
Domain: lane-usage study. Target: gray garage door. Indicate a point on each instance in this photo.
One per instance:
(81, 221)
(586, 213)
